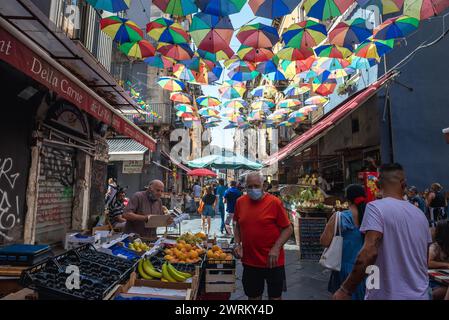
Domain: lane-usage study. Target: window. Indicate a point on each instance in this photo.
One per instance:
(355, 125)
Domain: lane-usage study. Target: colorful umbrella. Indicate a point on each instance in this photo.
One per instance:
(394, 28)
(268, 66)
(214, 74)
(292, 68)
(423, 9)
(326, 9)
(285, 124)
(275, 76)
(110, 5)
(332, 64)
(289, 103)
(183, 107)
(296, 117)
(242, 71)
(392, 6)
(314, 100)
(211, 33)
(296, 90)
(231, 125)
(138, 50)
(232, 89)
(264, 91)
(254, 55)
(258, 35)
(373, 49)
(220, 7)
(179, 8)
(305, 34)
(121, 30)
(208, 101)
(217, 56)
(325, 88)
(273, 9)
(171, 84)
(307, 109)
(180, 51)
(349, 33)
(332, 51)
(161, 62)
(256, 115)
(183, 73)
(180, 97)
(359, 63)
(202, 173)
(165, 30)
(209, 112)
(263, 104)
(184, 115)
(235, 104)
(336, 74)
(294, 54)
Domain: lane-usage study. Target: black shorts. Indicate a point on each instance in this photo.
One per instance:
(254, 281)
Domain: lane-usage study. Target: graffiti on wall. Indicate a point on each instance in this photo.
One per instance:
(9, 199)
(57, 165)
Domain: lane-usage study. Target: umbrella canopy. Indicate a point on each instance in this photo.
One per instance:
(220, 7)
(296, 117)
(273, 9)
(208, 101)
(121, 30)
(211, 33)
(307, 109)
(221, 162)
(242, 71)
(256, 115)
(161, 62)
(110, 5)
(235, 104)
(258, 35)
(263, 104)
(180, 97)
(232, 89)
(178, 8)
(231, 125)
(392, 6)
(179, 51)
(165, 30)
(359, 63)
(349, 33)
(202, 173)
(254, 54)
(304, 34)
(171, 84)
(373, 49)
(325, 88)
(332, 64)
(315, 100)
(394, 28)
(138, 50)
(217, 56)
(209, 112)
(264, 91)
(326, 9)
(278, 75)
(183, 107)
(181, 72)
(423, 9)
(332, 51)
(294, 54)
(296, 89)
(293, 68)
(289, 103)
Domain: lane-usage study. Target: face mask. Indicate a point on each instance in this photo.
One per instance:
(255, 194)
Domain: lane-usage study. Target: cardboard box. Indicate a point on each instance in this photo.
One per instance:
(72, 242)
(158, 221)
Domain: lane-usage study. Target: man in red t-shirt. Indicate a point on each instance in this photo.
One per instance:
(261, 228)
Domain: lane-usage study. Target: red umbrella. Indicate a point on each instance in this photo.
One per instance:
(202, 173)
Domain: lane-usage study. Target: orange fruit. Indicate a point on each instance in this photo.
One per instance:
(193, 254)
(181, 242)
(223, 256)
(188, 247)
(189, 261)
(229, 256)
(215, 248)
(168, 257)
(210, 254)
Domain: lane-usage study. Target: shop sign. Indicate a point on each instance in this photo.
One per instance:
(132, 166)
(21, 57)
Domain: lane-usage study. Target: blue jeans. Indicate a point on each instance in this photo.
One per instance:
(221, 210)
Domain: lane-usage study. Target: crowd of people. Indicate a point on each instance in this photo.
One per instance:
(402, 234)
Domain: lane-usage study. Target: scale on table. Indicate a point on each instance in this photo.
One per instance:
(24, 254)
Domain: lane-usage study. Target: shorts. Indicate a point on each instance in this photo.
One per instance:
(253, 281)
(229, 218)
(208, 211)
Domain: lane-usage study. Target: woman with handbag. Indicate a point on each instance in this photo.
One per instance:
(348, 224)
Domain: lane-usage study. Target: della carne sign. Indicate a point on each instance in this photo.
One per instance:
(21, 57)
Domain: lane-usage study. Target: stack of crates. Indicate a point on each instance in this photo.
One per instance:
(220, 275)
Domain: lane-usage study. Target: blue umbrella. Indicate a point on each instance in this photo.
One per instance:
(220, 7)
(110, 5)
(273, 9)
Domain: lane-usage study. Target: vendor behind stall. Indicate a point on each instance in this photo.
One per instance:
(141, 207)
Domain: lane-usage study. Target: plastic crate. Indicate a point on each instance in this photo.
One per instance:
(158, 260)
(100, 273)
(219, 263)
(24, 254)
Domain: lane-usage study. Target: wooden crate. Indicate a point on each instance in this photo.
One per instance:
(220, 280)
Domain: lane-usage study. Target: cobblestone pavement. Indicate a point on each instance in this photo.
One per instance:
(306, 280)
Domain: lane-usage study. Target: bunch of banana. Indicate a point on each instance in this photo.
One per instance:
(170, 274)
(147, 271)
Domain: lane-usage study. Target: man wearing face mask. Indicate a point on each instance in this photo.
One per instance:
(261, 228)
(141, 207)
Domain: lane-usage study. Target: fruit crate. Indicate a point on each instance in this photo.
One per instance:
(219, 280)
(99, 273)
(219, 263)
(158, 259)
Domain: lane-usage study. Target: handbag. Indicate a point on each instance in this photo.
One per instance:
(331, 257)
(201, 207)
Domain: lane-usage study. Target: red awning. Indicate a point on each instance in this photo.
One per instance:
(45, 70)
(202, 173)
(332, 119)
(177, 163)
